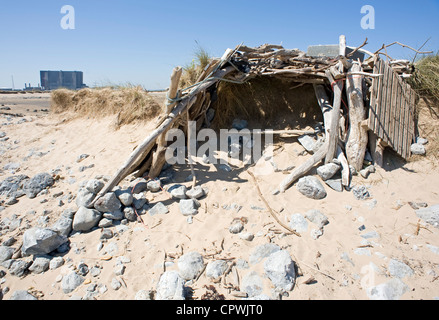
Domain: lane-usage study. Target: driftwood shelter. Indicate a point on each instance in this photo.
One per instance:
(365, 103)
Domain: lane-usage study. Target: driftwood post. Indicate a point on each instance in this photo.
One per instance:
(158, 158)
(325, 106)
(357, 136)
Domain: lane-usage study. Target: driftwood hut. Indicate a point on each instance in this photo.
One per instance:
(364, 103)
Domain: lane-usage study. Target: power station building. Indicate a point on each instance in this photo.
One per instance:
(52, 80)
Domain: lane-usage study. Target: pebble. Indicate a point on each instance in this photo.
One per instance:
(170, 286)
(158, 208)
(311, 187)
(188, 207)
(236, 228)
(190, 265)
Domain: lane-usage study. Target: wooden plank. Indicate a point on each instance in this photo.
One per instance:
(407, 121)
(386, 105)
(412, 116)
(406, 127)
(379, 98)
(373, 95)
(393, 112)
(398, 125)
(382, 114)
(403, 120)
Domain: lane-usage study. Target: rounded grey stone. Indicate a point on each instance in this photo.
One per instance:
(86, 219)
(190, 265)
(71, 281)
(311, 187)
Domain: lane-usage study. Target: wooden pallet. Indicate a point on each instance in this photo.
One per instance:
(392, 107)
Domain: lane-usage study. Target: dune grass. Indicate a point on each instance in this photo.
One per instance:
(193, 70)
(129, 103)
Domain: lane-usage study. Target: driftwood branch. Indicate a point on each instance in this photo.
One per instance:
(268, 206)
(148, 143)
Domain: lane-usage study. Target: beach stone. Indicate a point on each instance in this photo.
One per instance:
(138, 185)
(84, 198)
(38, 183)
(170, 286)
(40, 241)
(335, 184)
(327, 171)
(6, 253)
(130, 214)
(125, 197)
(311, 187)
(216, 268)
(188, 207)
(63, 226)
(86, 219)
(418, 149)
(367, 171)
(143, 295)
(105, 223)
(154, 186)
(316, 217)
(391, 290)
(115, 284)
(236, 228)
(195, 193)
(18, 268)
(139, 200)
(40, 264)
(248, 236)
(308, 142)
(116, 215)
(361, 192)
(158, 208)
(190, 265)
(422, 141)
(178, 191)
(252, 284)
(82, 157)
(94, 186)
(22, 295)
(108, 203)
(70, 282)
(262, 251)
(279, 267)
(398, 269)
(56, 262)
(11, 186)
(11, 166)
(429, 215)
(298, 223)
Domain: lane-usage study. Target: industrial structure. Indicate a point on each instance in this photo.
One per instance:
(52, 80)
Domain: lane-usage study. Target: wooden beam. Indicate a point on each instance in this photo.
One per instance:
(357, 134)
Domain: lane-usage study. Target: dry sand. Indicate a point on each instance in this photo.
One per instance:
(166, 237)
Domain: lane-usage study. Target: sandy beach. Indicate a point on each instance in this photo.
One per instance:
(354, 254)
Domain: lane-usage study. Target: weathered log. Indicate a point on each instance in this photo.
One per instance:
(158, 157)
(333, 134)
(357, 135)
(325, 106)
(304, 167)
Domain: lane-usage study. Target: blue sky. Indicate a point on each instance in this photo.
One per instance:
(140, 42)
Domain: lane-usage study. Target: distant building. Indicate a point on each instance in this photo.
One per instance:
(52, 80)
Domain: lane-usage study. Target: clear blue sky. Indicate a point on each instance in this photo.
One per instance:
(141, 41)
